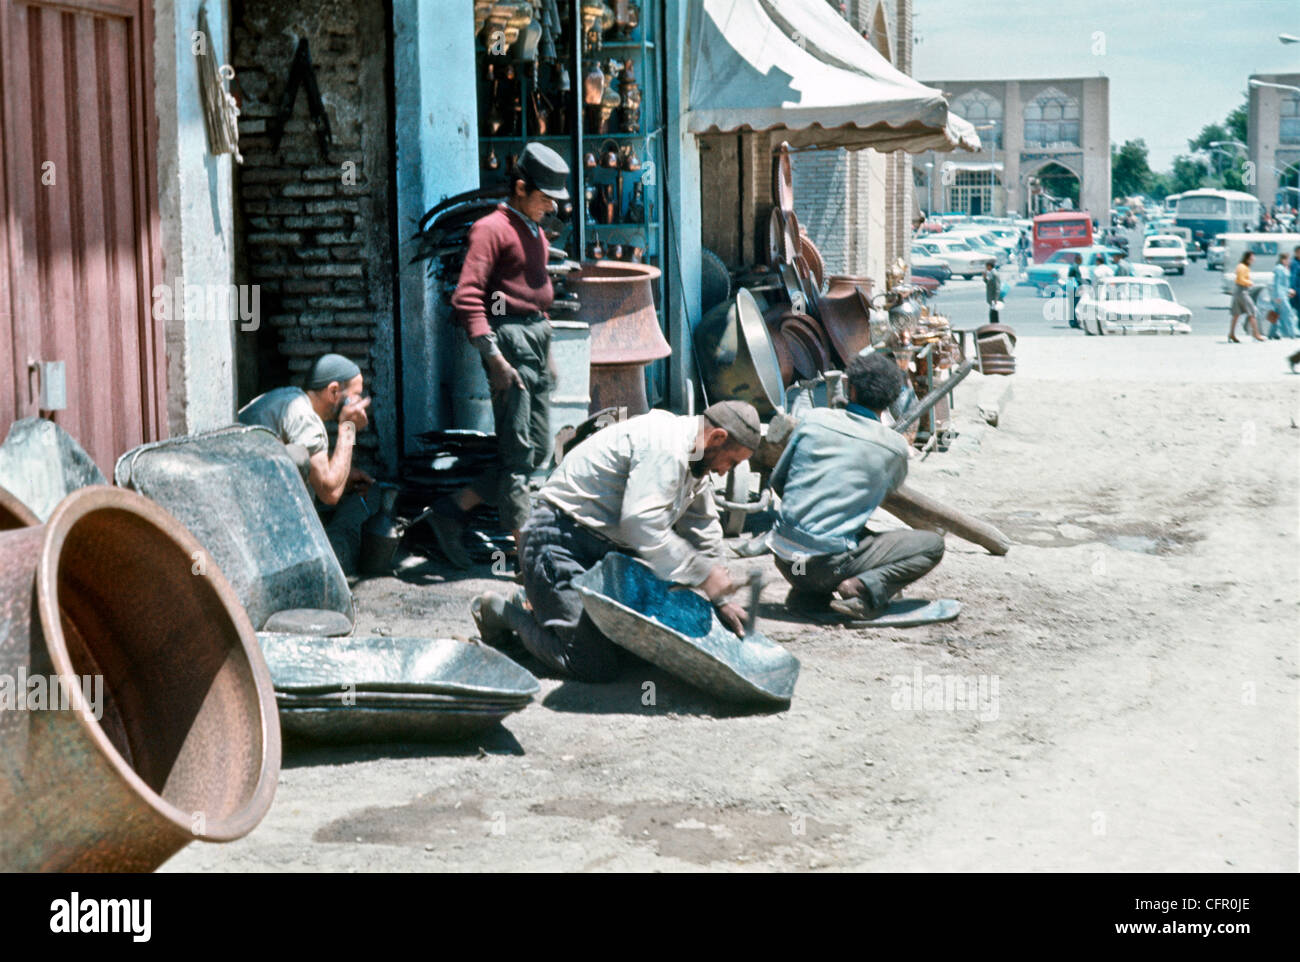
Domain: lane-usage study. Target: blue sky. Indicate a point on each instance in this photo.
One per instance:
(1173, 66)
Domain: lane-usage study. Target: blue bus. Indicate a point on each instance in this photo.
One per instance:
(1207, 212)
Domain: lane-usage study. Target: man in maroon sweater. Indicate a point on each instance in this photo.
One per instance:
(501, 301)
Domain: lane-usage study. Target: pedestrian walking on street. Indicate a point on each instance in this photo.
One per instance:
(1285, 324)
(1074, 285)
(1122, 267)
(992, 291)
(1242, 303)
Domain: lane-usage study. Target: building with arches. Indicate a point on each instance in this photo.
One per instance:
(1046, 145)
(1274, 140)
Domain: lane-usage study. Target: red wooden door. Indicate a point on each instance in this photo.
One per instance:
(79, 227)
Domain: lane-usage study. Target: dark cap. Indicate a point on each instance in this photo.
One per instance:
(546, 169)
(739, 420)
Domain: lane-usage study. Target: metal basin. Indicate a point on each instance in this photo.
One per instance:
(678, 632)
(392, 689)
(239, 492)
(737, 357)
(41, 464)
(177, 741)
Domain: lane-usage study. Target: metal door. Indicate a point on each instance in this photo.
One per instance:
(78, 219)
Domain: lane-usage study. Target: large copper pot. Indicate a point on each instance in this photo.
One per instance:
(617, 301)
(187, 742)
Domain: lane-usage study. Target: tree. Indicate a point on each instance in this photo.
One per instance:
(1130, 172)
(1236, 121)
(1187, 174)
(1209, 134)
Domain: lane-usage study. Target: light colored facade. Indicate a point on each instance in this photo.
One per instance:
(1274, 140)
(1038, 134)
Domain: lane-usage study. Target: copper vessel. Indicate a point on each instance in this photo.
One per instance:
(13, 513)
(618, 303)
(178, 740)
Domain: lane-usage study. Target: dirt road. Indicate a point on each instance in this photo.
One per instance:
(1131, 668)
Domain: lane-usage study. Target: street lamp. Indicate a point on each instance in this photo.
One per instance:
(929, 188)
(1265, 83)
(1288, 38)
(1232, 143)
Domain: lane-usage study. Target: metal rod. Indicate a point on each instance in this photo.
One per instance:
(934, 397)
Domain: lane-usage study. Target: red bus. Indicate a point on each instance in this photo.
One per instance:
(1063, 228)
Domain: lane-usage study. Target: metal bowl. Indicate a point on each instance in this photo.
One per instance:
(678, 631)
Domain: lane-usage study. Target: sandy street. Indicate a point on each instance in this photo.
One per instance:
(1132, 665)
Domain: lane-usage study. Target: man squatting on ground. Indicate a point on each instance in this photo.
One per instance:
(836, 470)
(297, 417)
(501, 299)
(640, 487)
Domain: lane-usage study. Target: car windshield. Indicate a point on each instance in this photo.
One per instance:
(957, 245)
(1164, 242)
(1064, 256)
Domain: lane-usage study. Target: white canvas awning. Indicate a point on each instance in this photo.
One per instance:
(798, 66)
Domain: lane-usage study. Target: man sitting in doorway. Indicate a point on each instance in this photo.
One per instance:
(297, 416)
(836, 470)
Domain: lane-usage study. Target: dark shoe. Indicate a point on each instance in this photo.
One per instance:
(449, 529)
(806, 602)
(1293, 360)
(488, 611)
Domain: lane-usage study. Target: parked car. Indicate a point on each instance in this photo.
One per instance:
(928, 284)
(927, 265)
(1049, 276)
(1132, 305)
(1166, 251)
(982, 240)
(1214, 254)
(956, 253)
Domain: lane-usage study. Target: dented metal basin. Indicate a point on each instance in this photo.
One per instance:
(678, 631)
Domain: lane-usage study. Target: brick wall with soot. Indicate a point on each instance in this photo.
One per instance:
(313, 223)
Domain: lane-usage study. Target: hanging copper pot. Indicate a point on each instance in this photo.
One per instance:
(618, 304)
(166, 731)
(846, 315)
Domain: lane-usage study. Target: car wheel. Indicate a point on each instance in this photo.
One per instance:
(1181, 271)
(967, 277)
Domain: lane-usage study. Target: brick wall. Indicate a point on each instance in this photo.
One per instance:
(313, 227)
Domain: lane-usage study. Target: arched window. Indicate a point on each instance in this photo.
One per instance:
(1051, 120)
(981, 109)
(1289, 127)
(879, 37)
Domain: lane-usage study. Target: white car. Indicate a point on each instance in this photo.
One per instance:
(1165, 251)
(956, 253)
(981, 240)
(1132, 305)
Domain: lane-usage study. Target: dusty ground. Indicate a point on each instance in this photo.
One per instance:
(1141, 636)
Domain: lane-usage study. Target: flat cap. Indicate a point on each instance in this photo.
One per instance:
(739, 420)
(546, 169)
(329, 368)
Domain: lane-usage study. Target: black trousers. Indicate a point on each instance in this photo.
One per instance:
(555, 550)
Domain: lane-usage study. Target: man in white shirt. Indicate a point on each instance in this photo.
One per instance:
(640, 487)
